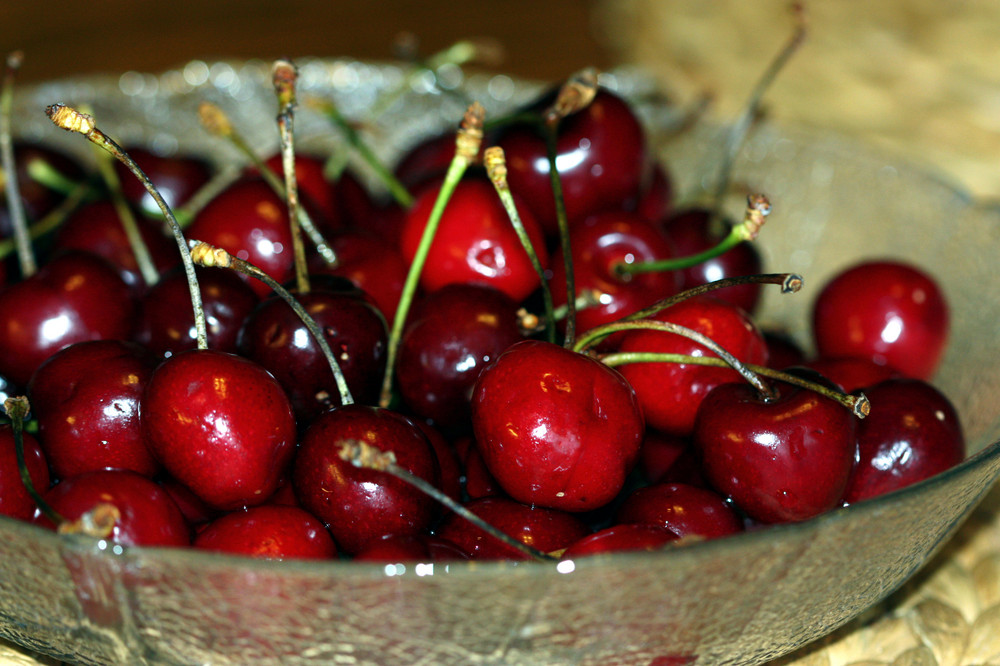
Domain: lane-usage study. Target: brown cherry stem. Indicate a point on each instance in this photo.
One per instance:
(858, 403)
(17, 409)
(284, 75)
(25, 253)
(206, 254)
(72, 120)
(364, 455)
(467, 142)
(496, 169)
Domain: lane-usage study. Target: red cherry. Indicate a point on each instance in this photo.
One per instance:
(86, 399)
(618, 538)
(670, 393)
(410, 547)
(556, 428)
(852, 374)
(372, 264)
(475, 242)
(221, 424)
(684, 510)
(888, 311)
(269, 532)
(251, 222)
(360, 505)
(546, 530)
(14, 498)
(601, 157)
(313, 186)
(666, 458)
(75, 297)
(147, 514)
(912, 433)
(176, 177)
(37, 198)
(783, 351)
(657, 195)
(783, 459)
(449, 466)
(478, 481)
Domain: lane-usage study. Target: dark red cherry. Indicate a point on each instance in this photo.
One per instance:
(14, 498)
(195, 511)
(911, 434)
(657, 195)
(888, 311)
(449, 466)
(618, 538)
(360, 505)
(356, 203)
(452, 334)
(556, 428)
(165, 321)
(690, 233)
(783, 351)
(684, 510)
(147, 514)
(670, 393)
(781, 460)
(852, 374)
(36, 197)
(86, 399)
(409, 548)
(268, 532)
(274, 336)
(546, 530)
(313, 187)
(662, 454)
(176, 177)
(598, 246)
(478, 481)
(475, 242)
(250, 221)
(601, 157)
(221, 424)
(75, 297)
(427, 160)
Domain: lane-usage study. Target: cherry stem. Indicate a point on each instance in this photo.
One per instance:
(43, 173)
(467, 142)
(366, 456)
(738, 132)
(105, 166)
(72, 120)
(858, 403)
(218, 183)
(215, 121)
(496, 169)
(206, 254)
(398, 191)
(758, 208)
(22, 238)
(53, 219)
(17, 408)
(284, 75)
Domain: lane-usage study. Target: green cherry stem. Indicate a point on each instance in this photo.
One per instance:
(496, 169)
(43, 173)
(22, 238)
(365, 456)
(467, 142)
(72, 120)
(206, 254)
(857, 403)
(17, 409)
(283, 76)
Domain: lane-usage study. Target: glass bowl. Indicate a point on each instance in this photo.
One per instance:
(743, 599)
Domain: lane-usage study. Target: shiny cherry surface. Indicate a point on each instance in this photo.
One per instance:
(268, 532)
(618, 538)
(684, 510)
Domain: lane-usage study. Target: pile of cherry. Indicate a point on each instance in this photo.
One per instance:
(564, 447)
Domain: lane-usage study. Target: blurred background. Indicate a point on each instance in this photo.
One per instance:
(918, 77)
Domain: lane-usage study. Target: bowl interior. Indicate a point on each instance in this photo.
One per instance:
(747, 598)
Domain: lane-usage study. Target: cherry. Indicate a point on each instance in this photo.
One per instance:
(556, 428)
(475, 242)
(274, 336)
(146, 515)
(781, 459)
(888, 311)
(451, 335)
(165, 321)
(176, 177)
(666, 457)
(691, 233)
(598, 246)
(360, 505)
(783, 351)
(86, 400)
(269, 532)
(221, 424)
(250, 221)
(912, 433)
(14, 498)
(601, 157)
(313, 187)
(684, 510)
(657, 195)
(670, 393)
(478, 481)
(618, 538)
(410, 547)
(37, 198)
(195, 511)
(546, 530)
(449, 466)
(852, 374)
(75, 297)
